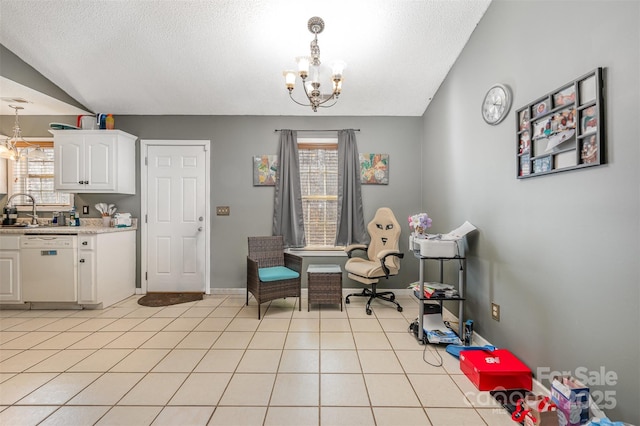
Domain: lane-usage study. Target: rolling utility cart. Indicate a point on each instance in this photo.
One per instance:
(425, 300)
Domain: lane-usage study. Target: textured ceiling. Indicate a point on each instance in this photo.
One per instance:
(226, 57)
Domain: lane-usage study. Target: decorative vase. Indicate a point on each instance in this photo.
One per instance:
(106, 221)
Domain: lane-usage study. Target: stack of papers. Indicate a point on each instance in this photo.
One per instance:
(435, 290)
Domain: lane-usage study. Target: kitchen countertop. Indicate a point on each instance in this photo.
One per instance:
(87, 226)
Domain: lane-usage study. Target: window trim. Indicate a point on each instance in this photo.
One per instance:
(43, 142)
(313, 144)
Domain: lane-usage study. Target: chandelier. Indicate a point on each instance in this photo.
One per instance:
(16, 148)
(309, 72)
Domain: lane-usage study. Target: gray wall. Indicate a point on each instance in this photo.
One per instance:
(559, 253)
(234, 140)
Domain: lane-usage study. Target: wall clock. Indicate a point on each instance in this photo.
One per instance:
(496, 104)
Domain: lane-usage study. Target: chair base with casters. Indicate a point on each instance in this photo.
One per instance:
(387, 296)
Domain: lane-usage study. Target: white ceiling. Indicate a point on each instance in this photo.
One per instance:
(226, 57)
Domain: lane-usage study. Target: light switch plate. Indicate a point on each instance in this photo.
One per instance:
(223, 210)
(85, 209)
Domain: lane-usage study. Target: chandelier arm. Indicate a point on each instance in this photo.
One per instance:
(329, 106)
(333, 96)
(299, 103)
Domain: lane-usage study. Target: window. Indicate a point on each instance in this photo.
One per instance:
(35, 176)
(319, 187)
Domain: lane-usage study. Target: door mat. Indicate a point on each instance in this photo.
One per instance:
(166, 299)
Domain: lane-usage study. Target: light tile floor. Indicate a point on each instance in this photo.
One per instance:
(212, 362)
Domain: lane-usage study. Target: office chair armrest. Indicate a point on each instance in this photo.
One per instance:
(353, 247)
(382, 255)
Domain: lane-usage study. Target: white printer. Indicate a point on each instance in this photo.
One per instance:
(446, 246)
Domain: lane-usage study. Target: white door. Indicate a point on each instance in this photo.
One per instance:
(176, 218)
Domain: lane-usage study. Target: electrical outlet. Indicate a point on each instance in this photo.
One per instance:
(85, 209)
(223, 210)
(495, 311)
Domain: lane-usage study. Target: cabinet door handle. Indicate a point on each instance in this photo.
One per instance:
(80, 182)
(81, 260)
(86, 182)
(84, 243)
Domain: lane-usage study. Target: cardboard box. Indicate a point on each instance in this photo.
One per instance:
(446, 245)
(498, 369)
(572, 399)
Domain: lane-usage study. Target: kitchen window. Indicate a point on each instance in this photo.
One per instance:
(35, 177)
(319, 186)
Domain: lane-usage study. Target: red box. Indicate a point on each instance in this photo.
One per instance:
(498, 369)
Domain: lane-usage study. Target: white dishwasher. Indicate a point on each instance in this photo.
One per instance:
(49, 268)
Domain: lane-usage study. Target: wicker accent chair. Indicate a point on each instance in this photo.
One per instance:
(272, 273)
(382, 261)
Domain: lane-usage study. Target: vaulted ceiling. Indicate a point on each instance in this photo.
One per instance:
(226, 57)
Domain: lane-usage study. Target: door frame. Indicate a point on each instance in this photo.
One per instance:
(144, 144)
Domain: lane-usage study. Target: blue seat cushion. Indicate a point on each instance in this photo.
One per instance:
(277, 273)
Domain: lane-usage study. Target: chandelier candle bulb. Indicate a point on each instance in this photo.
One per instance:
(303, 66)
(290, 79)
(337, 68)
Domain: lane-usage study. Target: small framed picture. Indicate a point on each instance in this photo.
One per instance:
(589, 151)
(542, 129)
(524, 119)
(374, 169)
(565, 97)
(588, 120)
(541, 108)
(264, 170)
(525, 167)
(541, 165)
(525, 142)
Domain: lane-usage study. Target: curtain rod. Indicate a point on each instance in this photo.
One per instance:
(326, 130)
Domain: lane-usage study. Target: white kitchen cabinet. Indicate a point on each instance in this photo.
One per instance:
(10, 269)
(94, 161)
(106, 268)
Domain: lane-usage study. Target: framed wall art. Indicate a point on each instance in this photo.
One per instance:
(264, 170)
(562, 130)
(374, 169)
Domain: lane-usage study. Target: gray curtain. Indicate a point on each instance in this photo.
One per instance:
(288, 220)
(351, 229)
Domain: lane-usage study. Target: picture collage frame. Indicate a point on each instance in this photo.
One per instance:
(563, 130)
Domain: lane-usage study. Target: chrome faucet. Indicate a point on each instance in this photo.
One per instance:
(34, 216)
